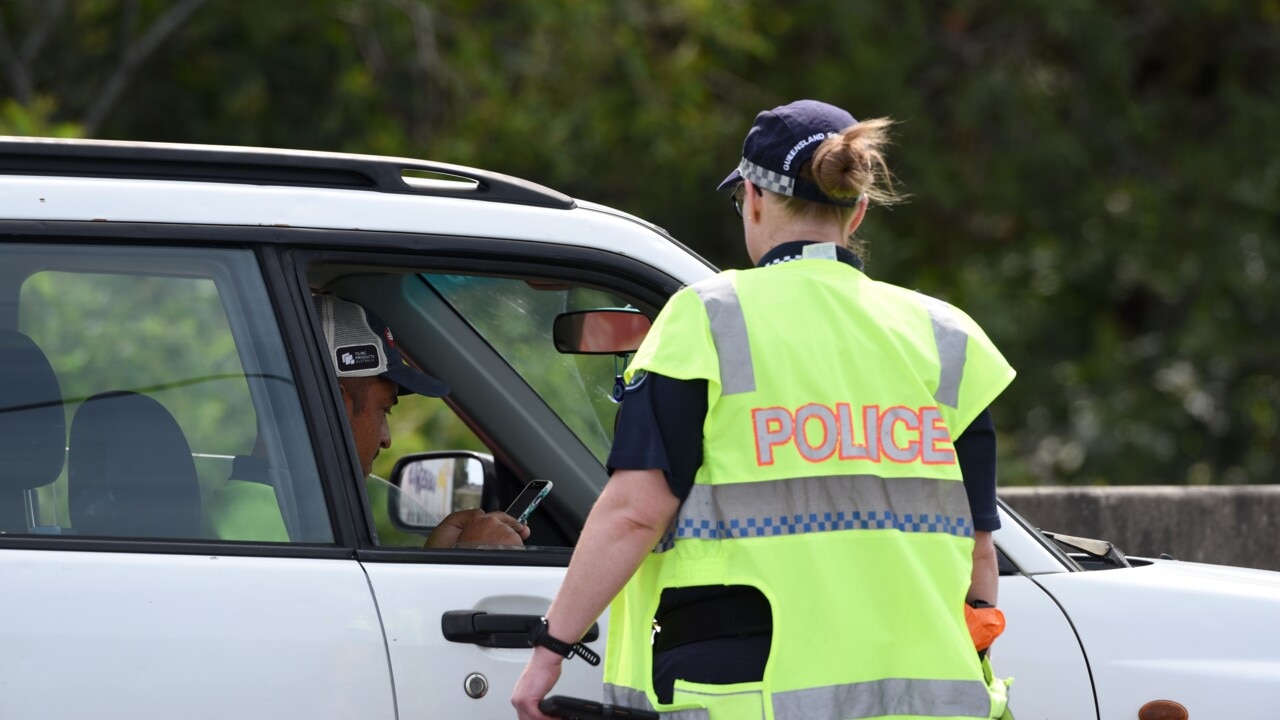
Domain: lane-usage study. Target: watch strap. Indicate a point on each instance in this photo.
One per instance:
(539, 637)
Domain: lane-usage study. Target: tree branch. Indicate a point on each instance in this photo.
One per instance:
(429, 68)
(35, 41)
(19, 78)
(18, 59)
(159, 31)
(128, 27)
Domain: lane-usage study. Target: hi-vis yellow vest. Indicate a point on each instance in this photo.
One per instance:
(830, 483)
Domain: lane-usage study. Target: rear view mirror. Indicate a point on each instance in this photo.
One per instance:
(600, 332)
(431, 485)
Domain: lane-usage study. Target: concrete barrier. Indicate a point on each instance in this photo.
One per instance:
(1226, 525)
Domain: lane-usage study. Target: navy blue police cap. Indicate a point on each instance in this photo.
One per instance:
(781, 141)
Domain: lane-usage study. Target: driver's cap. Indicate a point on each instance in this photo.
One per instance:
(361, 345)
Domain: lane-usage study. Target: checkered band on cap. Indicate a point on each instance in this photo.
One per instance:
(768, 179)
(346, 326)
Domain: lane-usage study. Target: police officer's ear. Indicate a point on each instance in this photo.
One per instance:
(860, 213)
(752, 200)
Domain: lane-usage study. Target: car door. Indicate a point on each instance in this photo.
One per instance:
(484, 326)
(1040, 647)
(136, 373)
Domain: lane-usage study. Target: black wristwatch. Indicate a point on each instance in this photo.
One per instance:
(539, 637)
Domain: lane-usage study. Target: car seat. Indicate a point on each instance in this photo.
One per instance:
(33, 426)
(130, 471)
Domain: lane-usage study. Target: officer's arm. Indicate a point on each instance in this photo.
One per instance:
(984, 584)
(976, 450)
(627, 520)
(985, 621)
(976, 453)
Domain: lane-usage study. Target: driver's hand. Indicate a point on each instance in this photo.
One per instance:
(478, 527)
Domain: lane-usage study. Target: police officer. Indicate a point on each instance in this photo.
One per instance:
(803, 481)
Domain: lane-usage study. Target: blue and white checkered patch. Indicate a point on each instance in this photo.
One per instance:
(767, 179)
(768, 526)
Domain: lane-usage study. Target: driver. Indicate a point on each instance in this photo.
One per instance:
(371, 375)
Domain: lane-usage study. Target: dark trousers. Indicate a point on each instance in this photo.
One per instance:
(719, 661)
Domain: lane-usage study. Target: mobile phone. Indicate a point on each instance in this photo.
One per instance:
(562, 706)
(528, 499)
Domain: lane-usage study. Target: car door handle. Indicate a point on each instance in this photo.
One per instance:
(495, 629)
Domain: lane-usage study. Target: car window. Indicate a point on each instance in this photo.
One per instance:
(417, 424)
(537, 413)
(181, 416)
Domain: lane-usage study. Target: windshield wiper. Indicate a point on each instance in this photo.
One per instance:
(1100, 550)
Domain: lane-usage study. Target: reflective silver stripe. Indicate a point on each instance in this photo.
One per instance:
(872, 699)
(632, 698)
(952, 342)
(729, 333)
(879, 698)
(766, 178)
(822, 504)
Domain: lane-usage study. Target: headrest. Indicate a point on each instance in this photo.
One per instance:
(33, 424)
(130, 470)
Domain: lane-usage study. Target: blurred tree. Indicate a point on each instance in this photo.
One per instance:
(1097, 183)
(106, 62)
(33, 119)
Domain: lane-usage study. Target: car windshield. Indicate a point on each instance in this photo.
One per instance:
(516, 317)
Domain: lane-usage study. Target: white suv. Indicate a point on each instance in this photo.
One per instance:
(156, 328)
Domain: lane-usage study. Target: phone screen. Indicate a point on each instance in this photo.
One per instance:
(528, 499)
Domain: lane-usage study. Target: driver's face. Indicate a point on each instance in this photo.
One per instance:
(368, 416)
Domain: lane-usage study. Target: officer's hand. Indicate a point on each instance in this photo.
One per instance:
(986, 622)
(478, 527)
(539, 676)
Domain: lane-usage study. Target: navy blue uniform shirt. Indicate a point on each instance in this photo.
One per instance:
(659, 426)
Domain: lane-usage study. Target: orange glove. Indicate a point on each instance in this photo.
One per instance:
(985, 624)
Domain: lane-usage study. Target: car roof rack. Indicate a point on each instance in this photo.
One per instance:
(267, 166)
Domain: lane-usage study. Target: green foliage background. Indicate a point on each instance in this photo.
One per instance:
(1097, 183)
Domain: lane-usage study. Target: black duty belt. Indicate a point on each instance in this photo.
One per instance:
(746, 613)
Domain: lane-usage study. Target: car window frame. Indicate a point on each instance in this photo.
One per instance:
(469, 255)
(283, 255)
(314, 403)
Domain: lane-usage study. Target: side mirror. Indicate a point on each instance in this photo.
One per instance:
(431, 485)
(615, 331)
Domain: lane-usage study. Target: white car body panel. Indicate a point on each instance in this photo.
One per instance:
(123, 636)
(1205, 636)
(430, 672)
(194, 203)
(1039, 650)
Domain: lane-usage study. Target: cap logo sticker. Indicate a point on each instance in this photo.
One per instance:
(391, 341)
(786, 163)
(357, 357)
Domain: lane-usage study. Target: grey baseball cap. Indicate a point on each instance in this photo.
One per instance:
(361, 345)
